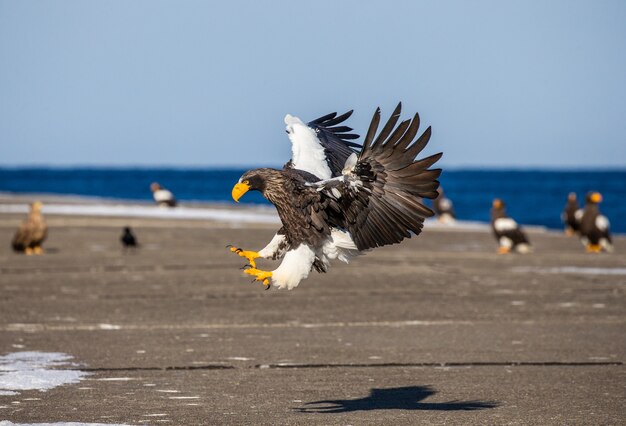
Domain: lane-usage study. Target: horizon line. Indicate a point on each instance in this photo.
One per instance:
(457, 168)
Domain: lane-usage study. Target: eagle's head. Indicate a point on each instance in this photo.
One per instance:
(498, 204)
(594, 198)
(252, 180)
(36, 206)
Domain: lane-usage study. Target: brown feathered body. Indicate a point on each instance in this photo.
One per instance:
(32, 232)
(571, 222)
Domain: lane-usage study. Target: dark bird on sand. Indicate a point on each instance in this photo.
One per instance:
(506, 230)
(571, 216)
(162, 196)
(32, 232)
(333, 211)
(443, 207)
(595, 231)
(128, 239)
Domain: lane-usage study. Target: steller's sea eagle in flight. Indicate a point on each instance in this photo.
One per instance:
(336, 198)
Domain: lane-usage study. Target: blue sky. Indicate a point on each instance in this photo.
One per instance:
(185, 83)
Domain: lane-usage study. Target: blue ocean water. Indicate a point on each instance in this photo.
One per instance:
(533, 197)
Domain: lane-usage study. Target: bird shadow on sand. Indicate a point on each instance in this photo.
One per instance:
(404, 398)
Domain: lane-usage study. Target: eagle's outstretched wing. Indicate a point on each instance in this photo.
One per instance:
(322, 146)
(336, 140)
(378, 198)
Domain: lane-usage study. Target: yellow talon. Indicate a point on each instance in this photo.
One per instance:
(250, 255)
(263, 276)
(37, 250)
(28, 251)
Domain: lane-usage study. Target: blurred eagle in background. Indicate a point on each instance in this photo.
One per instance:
(163, 197)
(336, 198)
(32, 232)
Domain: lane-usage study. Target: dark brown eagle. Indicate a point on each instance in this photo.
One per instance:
(335, 203)
(508, 233)
(571, 216)
(595, 233)
(32, 232)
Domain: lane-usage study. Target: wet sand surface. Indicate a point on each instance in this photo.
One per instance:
(437, 330)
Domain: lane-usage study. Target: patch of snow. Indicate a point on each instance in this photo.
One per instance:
(8, 423)
(36, 371)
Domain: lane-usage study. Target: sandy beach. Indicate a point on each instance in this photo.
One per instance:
(437, 330)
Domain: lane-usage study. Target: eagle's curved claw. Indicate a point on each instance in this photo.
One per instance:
(263, 276)
(250, 255)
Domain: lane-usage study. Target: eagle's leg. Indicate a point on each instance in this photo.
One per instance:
(263, 276)
(37, 250)
(250, 255)
(28, 251)
(503, 250)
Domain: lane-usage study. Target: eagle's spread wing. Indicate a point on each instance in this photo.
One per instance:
(335, 139)
(378, 199)
(322, 146)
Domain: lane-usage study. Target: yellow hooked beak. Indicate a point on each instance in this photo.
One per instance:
(596, 197)
(239, 189)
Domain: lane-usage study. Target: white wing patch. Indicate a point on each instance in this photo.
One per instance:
(162, 195)
(505, 224)
(340, 246)
(295, 267)
(306, 151)
(578, 215)
(602, 223)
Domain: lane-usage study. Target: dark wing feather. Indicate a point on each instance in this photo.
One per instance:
(336, 140)
(380, 200)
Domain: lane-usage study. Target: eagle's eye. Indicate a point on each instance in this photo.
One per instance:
(247, 182)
